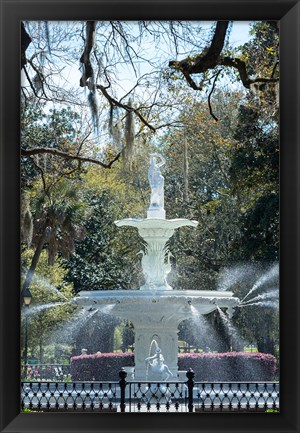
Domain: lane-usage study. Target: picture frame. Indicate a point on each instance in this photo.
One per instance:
(288, 13)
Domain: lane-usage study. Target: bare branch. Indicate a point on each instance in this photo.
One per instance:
(85, 58)
(211, 57)
(82, 143)
(65, 174)
(126, 107)
(55, 152)
(210, 94)
(30, 82)
(42, 173)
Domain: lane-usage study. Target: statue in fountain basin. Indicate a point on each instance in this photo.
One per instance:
(156, 181)
(157, 369)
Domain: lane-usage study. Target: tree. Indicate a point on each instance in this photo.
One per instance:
(211, 58)
(202, 192)
(52, 208)
(255, 179)
(57, 223)
(98, 262)
(106, 258)
(50, 306)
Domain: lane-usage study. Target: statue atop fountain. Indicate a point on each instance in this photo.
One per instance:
(156, 180)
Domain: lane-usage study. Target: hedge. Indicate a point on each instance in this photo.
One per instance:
(100, 366)
(210, 367)
(229, 366)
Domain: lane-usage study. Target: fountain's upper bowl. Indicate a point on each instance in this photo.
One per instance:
(153, 223)
(159, 305)
(156, 229)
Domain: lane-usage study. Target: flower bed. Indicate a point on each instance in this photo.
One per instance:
(208, 367)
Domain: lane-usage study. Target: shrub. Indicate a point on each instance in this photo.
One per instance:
(100, 366)
(229, 366)
(208, 367)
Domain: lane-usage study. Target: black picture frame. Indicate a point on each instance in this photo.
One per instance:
(288, 12)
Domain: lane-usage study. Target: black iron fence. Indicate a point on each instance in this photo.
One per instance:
(236, 396)
(141, 397)
(79, 396)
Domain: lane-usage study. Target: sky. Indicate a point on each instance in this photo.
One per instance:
(239, 35)
(240, 32)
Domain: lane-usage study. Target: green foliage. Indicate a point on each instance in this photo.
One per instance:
(262, 56)
(57, 216)
(106, 258)
(198, 187)
(262, 51)
(54, 129)
(100, 260)
(26, 410)
(118, 341)
(254, 175)
(48, 287)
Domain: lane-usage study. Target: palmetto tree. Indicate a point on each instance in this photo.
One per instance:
(58, 215)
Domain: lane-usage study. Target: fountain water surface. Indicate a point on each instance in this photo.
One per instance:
(156, 309)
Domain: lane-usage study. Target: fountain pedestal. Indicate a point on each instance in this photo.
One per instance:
(155, 233)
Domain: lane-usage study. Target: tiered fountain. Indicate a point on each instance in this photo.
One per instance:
(156, 309)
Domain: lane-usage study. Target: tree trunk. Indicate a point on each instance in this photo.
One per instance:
(41, 348)
(25, 41)
(185, 172)
(35, 260)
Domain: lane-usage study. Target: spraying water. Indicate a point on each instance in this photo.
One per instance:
(72, 327)
(153, 343)
(231, 330)
(204, 331)
(264, 296)
(266, 278)
(44, 284)
(229, 277)
(42, 307)
(106, 309)
(271, 304)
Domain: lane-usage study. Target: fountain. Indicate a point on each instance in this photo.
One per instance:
(156, 309)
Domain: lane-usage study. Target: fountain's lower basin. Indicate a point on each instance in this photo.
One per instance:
(156, 315)
(175, 304)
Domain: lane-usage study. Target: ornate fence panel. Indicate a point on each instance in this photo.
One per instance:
(64, 396)
(141, 397)
(251, 396)
(156, 397)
